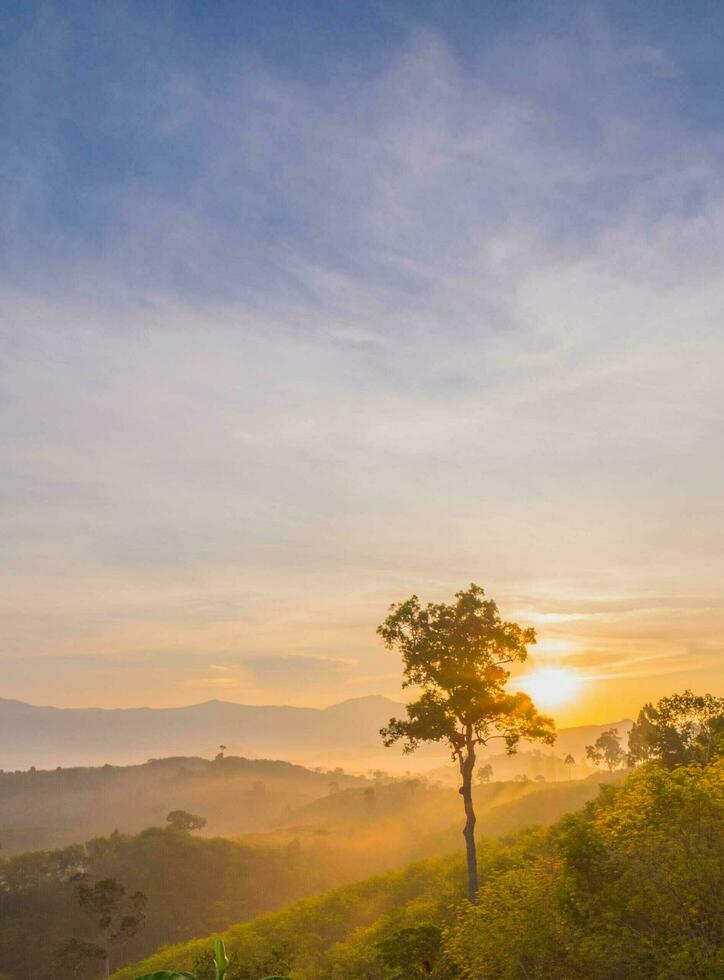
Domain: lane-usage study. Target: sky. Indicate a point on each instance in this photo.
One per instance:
(308, 306)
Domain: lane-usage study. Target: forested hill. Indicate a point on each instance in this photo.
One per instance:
(46, 809)
(51, 808)
(629, 888)
(195, 884)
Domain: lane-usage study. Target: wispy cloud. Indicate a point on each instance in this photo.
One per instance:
(281, 346)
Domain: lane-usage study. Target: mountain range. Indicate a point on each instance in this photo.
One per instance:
(342, 734)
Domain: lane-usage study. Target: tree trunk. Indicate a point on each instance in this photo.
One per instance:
(467, 765)
(709, 743)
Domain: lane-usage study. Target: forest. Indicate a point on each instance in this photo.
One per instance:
(195, 884)
(47, 809)
(631, 886)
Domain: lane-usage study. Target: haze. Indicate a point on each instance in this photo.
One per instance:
(296, 322)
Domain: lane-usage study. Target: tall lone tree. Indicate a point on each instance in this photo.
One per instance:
(457, 656)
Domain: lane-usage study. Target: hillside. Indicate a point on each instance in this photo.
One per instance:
(392, 812)
(51, 808)
(627, 888)
(47, 809)
(196, 884)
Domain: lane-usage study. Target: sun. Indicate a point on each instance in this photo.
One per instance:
(550, 686)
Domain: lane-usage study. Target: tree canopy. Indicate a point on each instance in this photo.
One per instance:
(681, 728)
(628, 887)
(183, 820)
(607, 749)
(458, 655)
(484, 773)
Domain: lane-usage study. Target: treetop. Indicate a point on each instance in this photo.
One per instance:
(458, 654)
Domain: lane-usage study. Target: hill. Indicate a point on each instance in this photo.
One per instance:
(627, 888)
(50, 808)
(196, 884)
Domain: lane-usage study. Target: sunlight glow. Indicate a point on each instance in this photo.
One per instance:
(550, 686)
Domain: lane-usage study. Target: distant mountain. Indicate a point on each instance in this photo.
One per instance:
(46, 737)
(342, 734)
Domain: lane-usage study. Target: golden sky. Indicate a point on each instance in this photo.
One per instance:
(308, 328)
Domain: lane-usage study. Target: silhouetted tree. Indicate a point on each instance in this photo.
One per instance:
(484, 773)
(457, 654)
(607, 749)
(569, 762)
(680, 728)
(78, 959)
(117, 915)
(183, 820)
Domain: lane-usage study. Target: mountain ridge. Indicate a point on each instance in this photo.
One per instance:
(346, 733)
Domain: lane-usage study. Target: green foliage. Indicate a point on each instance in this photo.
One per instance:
(332, 936)
(198, 886)
(607, 749)
(219, 962)
(78, 959)
(415, 952)
(242, 965)
(679, 729)
(47, 810)
(167, 975)
(118, 915)
(193, 885)
(484, 773)
(631, 887)
(515, 930)
(185, 821)
(457, 654)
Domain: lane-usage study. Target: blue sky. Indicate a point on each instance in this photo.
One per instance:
(306, 306)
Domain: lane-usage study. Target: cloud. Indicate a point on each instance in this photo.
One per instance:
(290, 669)
(280, 347)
